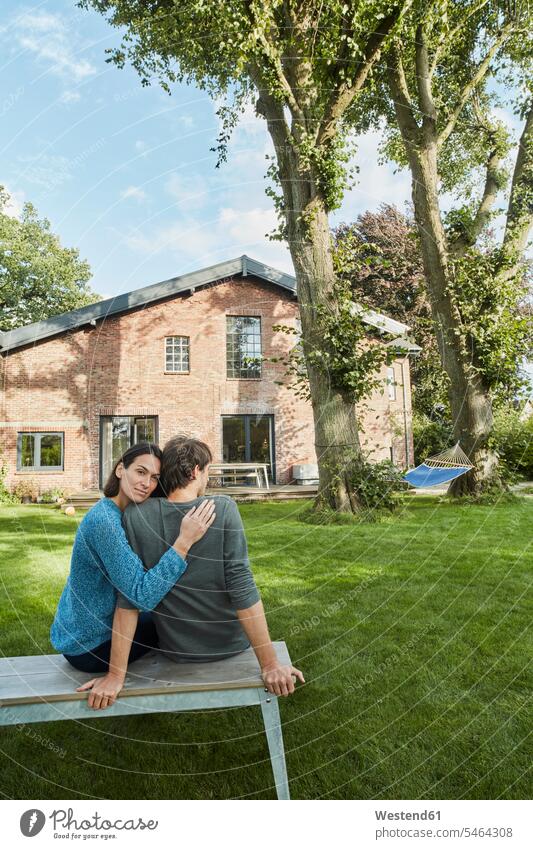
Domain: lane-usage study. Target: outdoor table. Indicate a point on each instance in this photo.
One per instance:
(220, 469)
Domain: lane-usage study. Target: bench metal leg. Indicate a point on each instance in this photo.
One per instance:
(272, 721)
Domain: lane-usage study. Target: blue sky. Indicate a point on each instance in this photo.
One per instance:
(125, 173)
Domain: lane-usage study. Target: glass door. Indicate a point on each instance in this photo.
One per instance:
(118, 433)
(233, 439)
(247, 439)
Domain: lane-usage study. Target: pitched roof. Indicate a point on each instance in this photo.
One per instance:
(243, 265)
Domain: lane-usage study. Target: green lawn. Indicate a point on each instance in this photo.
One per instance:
(412, 635)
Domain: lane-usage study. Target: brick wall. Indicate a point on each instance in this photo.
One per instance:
(118, 368)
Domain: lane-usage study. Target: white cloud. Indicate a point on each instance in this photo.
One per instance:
(247, 226)
(70, 97)
(133, 192)
(49, 38)
(16, 201)
(190, 191)
(376, 184)
(207, 240)
(190, 240)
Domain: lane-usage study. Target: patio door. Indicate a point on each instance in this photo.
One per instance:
(118, 433)
(248, 439)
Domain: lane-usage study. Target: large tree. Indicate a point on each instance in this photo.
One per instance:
(304, 63)
(38, 277)
(380, 254)
(438, 87)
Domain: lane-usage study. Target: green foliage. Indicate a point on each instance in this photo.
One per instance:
(379, 254)
(447, 68)
(38, 277)
(351, 356)
(237, 48)
(343, 348)
(50, 496)
(329, 166)
(376, 485)
(6, 497)
(431, 435)
(25, 488)
(496, 333)
(513, 440)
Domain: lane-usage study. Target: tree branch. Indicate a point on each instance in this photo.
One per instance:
(473, 83)
(280, 132)
(448, 37)
(400, 94)
(463, 241)
(343, 94)
(520, 209)
(272, 54)
(423, 80)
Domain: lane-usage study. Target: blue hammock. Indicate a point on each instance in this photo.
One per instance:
(440, 468)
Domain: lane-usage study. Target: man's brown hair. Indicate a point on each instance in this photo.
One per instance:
(180, 455)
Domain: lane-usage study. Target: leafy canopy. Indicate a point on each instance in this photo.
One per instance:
(38, 277)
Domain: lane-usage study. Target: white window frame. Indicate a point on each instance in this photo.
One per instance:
(260, 355)
(188, 348)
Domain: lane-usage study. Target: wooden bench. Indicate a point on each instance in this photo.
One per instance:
(42, 688)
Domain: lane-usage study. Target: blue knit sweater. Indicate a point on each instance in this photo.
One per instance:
(102, 562)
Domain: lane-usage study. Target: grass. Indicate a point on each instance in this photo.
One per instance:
(412, 635)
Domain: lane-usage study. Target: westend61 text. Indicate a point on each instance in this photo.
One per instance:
(407, 815)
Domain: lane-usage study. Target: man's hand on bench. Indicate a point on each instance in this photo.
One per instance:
(279, 679)
(104, 691)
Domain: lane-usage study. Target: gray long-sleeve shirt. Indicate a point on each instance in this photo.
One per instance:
(196, 620)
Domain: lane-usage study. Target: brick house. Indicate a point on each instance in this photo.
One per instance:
(181, 355)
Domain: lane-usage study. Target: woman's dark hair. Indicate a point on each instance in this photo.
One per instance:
(180, 455)
(112, 485)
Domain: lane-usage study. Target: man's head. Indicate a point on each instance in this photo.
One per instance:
(185, 465)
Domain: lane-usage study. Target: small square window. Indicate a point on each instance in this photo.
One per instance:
(177, 354)
(40, 452)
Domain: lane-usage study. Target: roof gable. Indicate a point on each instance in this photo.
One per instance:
(243, 265)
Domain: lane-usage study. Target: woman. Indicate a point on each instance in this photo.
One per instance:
(102, 562)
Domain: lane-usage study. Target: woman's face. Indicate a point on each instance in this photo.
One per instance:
(139, 480)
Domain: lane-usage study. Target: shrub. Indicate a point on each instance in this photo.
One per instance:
(50, 496)
(513, 440)
(430, 436)
(25, 489)
(6, 497)
(377, 487)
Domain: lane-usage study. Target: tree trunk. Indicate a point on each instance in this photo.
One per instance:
(337, 443)
(470, 402)
(307, 231)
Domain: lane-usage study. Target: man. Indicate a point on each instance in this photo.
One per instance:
(215, 611)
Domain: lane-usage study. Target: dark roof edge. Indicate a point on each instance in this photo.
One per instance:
(39, 330)
(245, 265)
